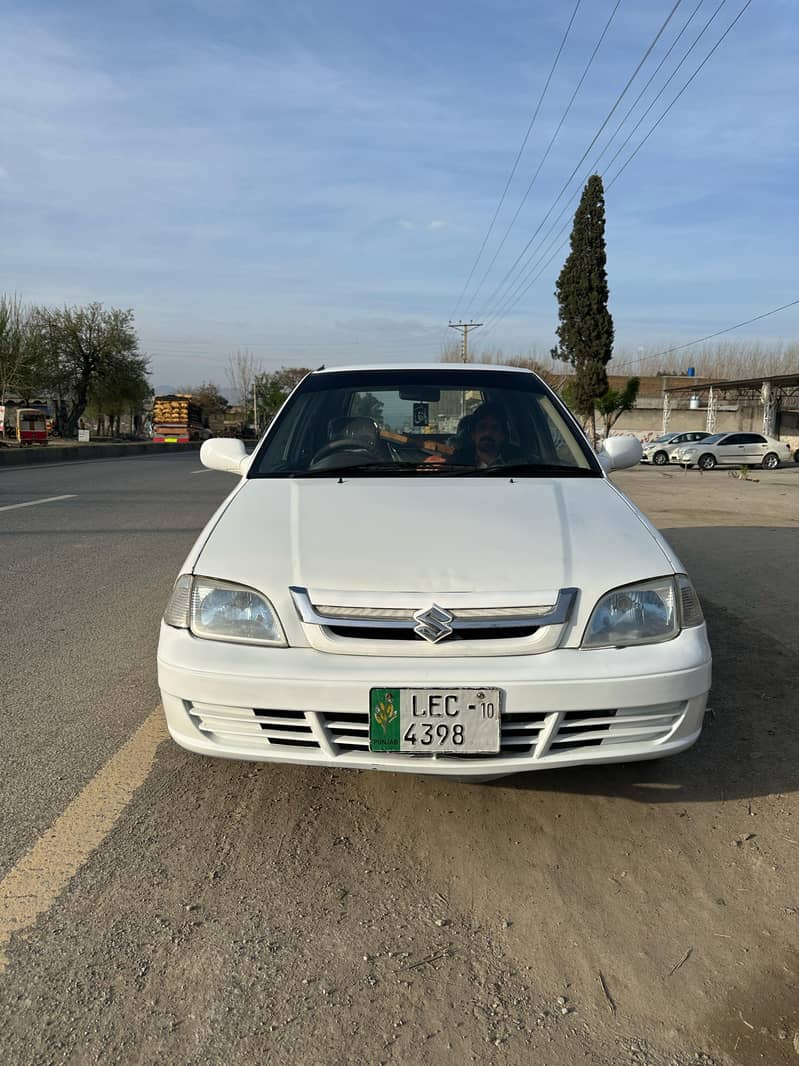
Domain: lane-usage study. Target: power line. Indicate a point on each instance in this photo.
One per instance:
(582, 159)
(545, 156)
(227, 345)
(278, 351)
(520, 286)
(679, 94)
(709, 337)
(518, 157)
(508, 304)
(526, 282)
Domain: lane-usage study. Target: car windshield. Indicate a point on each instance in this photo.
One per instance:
(419, 423)
(664, 439)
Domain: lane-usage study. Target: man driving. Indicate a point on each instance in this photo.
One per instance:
(487, 440)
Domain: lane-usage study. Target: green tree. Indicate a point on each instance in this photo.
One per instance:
(119, 389)
(85, 349)
(615, 402)
(208, 396)
(20, 354)
(368, 406)
(272, 389)
(585, 332)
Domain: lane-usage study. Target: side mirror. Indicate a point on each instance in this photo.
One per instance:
(223, 453)
(618, 453)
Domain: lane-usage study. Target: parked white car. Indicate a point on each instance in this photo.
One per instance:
(379, 592)
(660, 450)
(733, 449)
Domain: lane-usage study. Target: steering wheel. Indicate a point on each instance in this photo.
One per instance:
(348, 443)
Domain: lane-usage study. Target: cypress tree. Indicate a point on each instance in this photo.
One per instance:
(585, 331)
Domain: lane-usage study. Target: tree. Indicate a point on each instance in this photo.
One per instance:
(615, 402)
(585, 332)
(208, 396)
(272, 390)
(85, 349)
(241, 372)
(121, 388)
(20, 369)
(368, 406)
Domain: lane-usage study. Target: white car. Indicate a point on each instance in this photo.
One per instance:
(660, 450)
(733, 449)
(381, 593)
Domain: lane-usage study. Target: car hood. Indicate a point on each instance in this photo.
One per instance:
(465, 535)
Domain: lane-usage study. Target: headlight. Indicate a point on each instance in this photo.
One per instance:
(637, 614)
(647, 613)
(219, 610)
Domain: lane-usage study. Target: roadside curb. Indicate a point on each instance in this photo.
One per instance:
(26, 456)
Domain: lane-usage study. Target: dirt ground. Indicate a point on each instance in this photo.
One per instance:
(640, 914)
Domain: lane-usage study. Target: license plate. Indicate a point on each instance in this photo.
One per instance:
(426, 721)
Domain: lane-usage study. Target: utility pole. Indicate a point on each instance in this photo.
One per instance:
(464, 327)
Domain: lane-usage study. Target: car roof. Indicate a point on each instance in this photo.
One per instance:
(424, 366)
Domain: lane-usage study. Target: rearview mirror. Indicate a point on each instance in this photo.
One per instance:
(224, 453)
(619, 453)
(421, 394)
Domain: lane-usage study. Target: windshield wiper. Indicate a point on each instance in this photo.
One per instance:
(431, 469)
(530, 470)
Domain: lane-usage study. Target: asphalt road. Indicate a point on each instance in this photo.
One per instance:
(158, 907)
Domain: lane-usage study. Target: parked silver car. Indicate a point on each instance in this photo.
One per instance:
(660, 450)
(733, 449)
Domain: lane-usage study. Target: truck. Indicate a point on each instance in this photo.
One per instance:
(177, 419)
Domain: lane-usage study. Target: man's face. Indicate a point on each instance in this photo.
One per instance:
(488, 436)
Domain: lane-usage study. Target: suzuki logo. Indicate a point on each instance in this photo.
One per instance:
(434, 623)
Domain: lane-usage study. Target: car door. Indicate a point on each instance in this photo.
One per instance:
(676, 442)
(731, 450)
(755, 447)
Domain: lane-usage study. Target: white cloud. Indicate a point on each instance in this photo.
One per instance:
(435, 224)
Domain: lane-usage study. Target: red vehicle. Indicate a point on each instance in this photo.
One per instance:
(31, 426)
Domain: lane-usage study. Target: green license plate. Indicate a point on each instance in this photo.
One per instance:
(426, 721)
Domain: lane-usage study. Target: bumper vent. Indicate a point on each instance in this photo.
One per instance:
(524, 734)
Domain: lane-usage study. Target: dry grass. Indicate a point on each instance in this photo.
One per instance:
(719, 359)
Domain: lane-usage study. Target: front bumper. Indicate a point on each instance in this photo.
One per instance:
(562, 708)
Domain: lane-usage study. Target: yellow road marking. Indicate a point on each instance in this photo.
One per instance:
(33, 885)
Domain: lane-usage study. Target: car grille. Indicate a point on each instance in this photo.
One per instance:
(431, 623)
(523, 734)
(492, 633)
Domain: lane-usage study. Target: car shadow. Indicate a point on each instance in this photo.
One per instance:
(750, 742)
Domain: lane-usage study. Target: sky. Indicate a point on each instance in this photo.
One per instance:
(312, 180)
